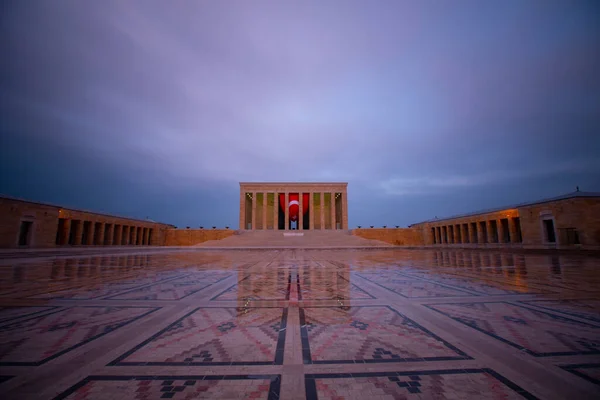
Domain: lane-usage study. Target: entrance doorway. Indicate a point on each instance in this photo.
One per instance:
(549, 234)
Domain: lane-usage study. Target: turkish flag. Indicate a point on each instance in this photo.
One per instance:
(294, 204)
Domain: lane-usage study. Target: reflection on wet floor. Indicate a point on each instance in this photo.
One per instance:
(356, 324)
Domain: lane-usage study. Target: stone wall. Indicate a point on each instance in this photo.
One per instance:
(397, 236)
(576, 223)
(44, 218)
(468, 230)
(190, 237)
(577, 214)
(53, 226)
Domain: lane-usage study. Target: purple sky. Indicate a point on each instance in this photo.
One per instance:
(426, 108)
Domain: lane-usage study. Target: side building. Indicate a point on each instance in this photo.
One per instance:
(28, 224)
(568, 221)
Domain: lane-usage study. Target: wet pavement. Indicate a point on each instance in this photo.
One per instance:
(300, 324)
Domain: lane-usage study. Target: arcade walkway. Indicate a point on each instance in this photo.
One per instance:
(300, 324)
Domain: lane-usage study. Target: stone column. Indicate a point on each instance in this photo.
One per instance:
(264, 213)
(500, 231)
(242, 209)
(479, 232)
(458, 233)
(322, 209)
(488, 225)
(147, 236)
(332, 211)
(345, 210)
(119, 235)
(124, 235)
(311, 210)
(108, 234)
(512, 229)
(253, 211)
(64, 233)
(132, 235)
(300, 211)
(100, 237)
(78, 233)
(287, 211)
(275, 211)
(465, 233)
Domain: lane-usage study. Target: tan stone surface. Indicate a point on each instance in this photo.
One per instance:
(424, 324)
(45, 223)
(309, 239)
(581, 214)
(191, 237)
(395, 236)
(328, 207)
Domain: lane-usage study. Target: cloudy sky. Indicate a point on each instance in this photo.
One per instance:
(427, 108)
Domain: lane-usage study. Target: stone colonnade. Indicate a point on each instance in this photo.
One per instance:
(503, 228)
(86, 230)
(331, 198)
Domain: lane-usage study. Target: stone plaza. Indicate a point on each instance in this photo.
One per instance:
(499, 304)
(300, 324)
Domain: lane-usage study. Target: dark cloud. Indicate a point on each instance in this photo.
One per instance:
(425, 109)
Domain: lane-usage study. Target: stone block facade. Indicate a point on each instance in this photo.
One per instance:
(190, 237)
(565, 222)
(396, 236)
(260, 207)
(576, 222)
(26, 224)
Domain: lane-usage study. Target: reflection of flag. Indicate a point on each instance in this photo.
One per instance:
(294, 204)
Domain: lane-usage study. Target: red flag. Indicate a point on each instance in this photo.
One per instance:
(294, 204)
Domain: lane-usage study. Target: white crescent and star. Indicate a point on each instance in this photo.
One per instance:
(293, 202)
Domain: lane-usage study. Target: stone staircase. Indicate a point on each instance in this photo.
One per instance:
(294, 239)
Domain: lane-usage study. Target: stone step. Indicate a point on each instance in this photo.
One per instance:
(294, 238)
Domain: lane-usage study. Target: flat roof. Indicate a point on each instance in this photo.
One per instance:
(496, 209)
(80, 210)
(295, 183)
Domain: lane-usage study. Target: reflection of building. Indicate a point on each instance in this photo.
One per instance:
(564, 221)
(274, 205)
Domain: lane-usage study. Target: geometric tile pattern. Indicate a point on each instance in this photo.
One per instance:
(10, 313)
(583, 308)
(258, 287)
(298, 313)
(589, 372)
(215, 336)
(412, 287)
(443, 384)
(175, 289)
(472, 285)
(37, 340)
(374, 334)
(106, 289)
(335, 287)
(538, 333)
(175, 387)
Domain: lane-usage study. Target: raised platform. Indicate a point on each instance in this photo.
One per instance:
(293, 239)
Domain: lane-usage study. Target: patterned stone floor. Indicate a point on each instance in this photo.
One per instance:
(299, 324)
